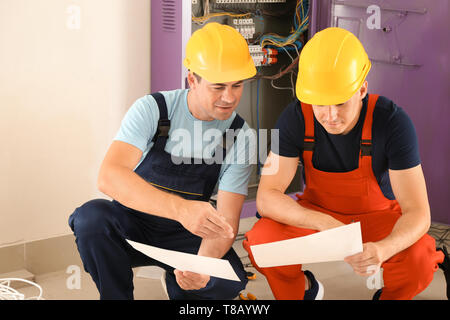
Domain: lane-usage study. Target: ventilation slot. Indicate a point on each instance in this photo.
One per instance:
(168, 15)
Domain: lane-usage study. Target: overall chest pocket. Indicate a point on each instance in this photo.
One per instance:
(186, 184)
(342, 187)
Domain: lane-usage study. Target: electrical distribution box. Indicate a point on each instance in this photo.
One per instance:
(275, 32)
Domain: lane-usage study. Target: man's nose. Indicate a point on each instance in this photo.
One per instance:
(228, 95)
(332, 113)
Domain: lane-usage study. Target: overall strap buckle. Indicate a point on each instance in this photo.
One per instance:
(366, 147)
(163, 123)
(163, 128)
(308, 143)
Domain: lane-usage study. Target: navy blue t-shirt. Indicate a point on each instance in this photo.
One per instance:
(394, 142)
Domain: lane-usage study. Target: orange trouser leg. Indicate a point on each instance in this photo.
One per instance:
(405, 275)
(410, 271)
(286, 282)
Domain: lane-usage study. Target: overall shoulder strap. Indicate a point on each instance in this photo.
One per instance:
(366, 137)
(162, 132)
(308, 115)
(230, 135)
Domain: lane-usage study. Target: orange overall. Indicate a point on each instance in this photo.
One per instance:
(349, 197)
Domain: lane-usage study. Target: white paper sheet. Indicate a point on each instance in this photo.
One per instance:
(219, 268)
(329, 245)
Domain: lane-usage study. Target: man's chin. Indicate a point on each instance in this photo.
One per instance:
(334, 129)
(223, 114)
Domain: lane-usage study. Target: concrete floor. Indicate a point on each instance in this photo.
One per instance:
(339, 281)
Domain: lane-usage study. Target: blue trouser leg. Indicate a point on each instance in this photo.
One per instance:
(101, 227)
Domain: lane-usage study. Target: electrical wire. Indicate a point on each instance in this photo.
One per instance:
(282, 88)
(292, 42)
(258, 170)
(287, 52)
(279, 74)
(292, 84)
(279, 41)
(9, 293)
(295, 48)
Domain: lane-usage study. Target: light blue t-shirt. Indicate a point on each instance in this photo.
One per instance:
(191, 138)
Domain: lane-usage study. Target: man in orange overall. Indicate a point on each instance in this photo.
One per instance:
(361, 163)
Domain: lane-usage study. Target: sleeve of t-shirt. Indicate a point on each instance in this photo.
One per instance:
(291, 129)
(402, 147)
(238, 163)
(139, 123)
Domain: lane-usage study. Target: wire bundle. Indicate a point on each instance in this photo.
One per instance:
(301, 20)
(8, 293)
(292, 42)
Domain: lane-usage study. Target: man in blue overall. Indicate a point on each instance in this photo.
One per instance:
(161, 187)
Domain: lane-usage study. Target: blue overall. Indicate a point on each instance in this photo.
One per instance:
(101, 226)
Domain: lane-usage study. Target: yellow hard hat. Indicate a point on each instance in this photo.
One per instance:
(219, 53)
(332, 67)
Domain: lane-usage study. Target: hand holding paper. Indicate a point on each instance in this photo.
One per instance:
(329, 245)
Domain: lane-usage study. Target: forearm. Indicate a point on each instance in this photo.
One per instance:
(128, 188)
(408, 229)
(282, 208)
(230, 206)
(215, 248)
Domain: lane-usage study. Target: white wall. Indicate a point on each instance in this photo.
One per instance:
(63, 93)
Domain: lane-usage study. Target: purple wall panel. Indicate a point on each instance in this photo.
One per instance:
(166, 45)
(410, 66)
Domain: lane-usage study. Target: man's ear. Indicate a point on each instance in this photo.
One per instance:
(192, 80)
(363, 90)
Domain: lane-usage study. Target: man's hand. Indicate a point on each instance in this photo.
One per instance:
(369, 261)
(201, 219)
(190, 280)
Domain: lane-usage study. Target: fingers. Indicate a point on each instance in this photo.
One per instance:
(191, 280)
(366, 270)
(203, 220)
(363, 264)
(210, 230)
(219, 225)
(182, 281)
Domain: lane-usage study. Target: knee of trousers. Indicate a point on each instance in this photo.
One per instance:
(227, 289)
(233, 288)
(415, 265)
(282, 273)
(92, 217)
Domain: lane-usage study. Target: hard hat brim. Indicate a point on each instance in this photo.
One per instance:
(215, 76)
